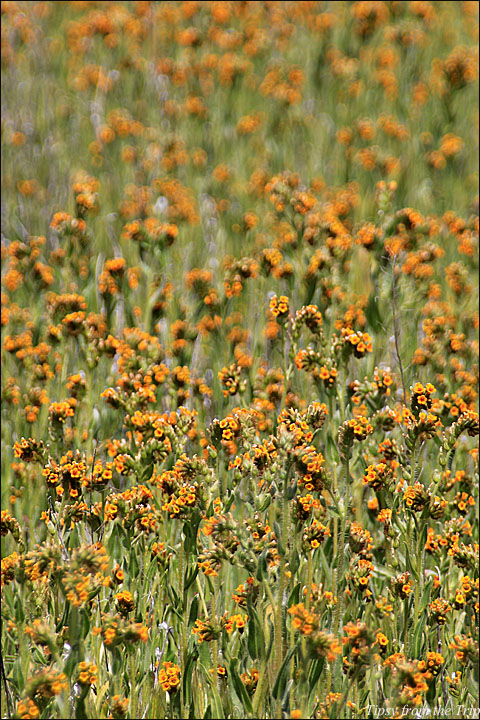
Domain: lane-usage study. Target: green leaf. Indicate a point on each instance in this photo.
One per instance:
(217, 703)
(190, 531)
(252, 639)
(332, 510)
(425, 596)
(174, 601)
(80, 711)
(263, 501)
(383, 570)
(364, 697)
(372, 313)
(133, 567)
(294, 598)
(326, 567)
(430, 697)
(152, 570)
(417, 636)
(101, 694)
(187, 675)
(278, 534)
(9, 599)
(294, 561)
(146, 473)
(92, 594)
(292, 491)
(71, 663)
(411, 568)
(239, 687)
(262, 569)
(17, 676)
(286, 693)
(229, 502)
(190, 576)
(209, 511)
(63, 622)
(332, 451)
(38, 656)
(281, 681)
(85, 622)
(271, 639)
(19, 611)
(256, 636)
(193, 611)
(315, 672)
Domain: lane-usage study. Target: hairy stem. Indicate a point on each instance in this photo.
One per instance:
(340, 553)
(396, 331)
(133, 685)
(183, 630)
(213, 604)
(281, 585)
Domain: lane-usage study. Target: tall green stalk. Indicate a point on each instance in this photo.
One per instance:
(340, 558)
(285, 510)
(183, 629)
(213, 604)
(420, 567)
(340, 554)
(132, 669)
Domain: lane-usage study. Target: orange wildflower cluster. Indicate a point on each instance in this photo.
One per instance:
(88, 673)
(377, 476)
(169, 677)
(361, 343)
(279, 307)
(323, 644)
(116, 631)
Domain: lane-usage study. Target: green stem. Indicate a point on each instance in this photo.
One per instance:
(397, 616)
(338, 711)
(284, 367)
(213, 604)
(23, 650)
(278, 623)
(222, 481)
(309, 578)
(158, 704)
(340, 554)
(202, 597)
(307, 599)
(181, 562)
(115, 671)
(341, 395)
(270, 668)
(133, 684)
(198, 696)
(388, 550)
(281, 585)
(335, 528)
(258, 697)
(224, 486)
(340, 558)
(420, 561)
(405, 629)
(413, 461)
(411, 551)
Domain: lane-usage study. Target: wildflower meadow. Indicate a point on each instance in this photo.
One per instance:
(239, 359)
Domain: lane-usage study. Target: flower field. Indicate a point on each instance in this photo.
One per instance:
(239, 360)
